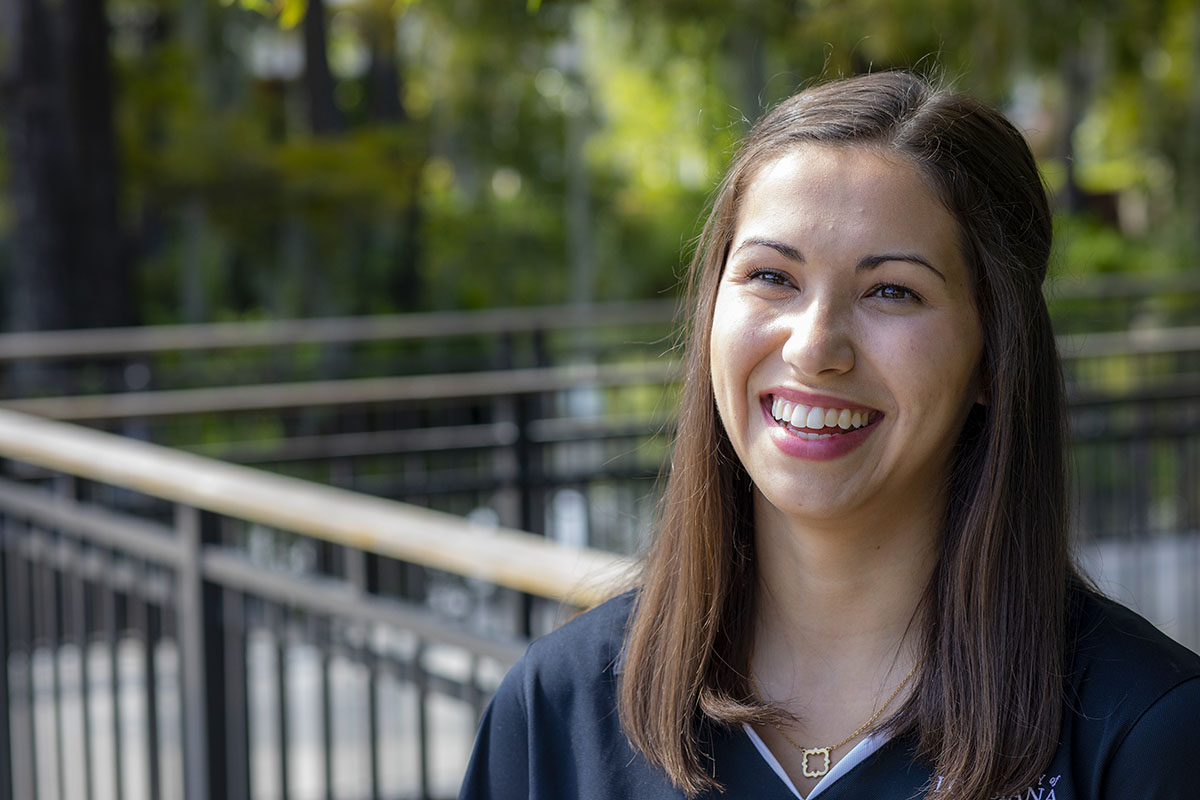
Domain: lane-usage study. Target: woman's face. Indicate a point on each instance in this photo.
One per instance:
(845, 343)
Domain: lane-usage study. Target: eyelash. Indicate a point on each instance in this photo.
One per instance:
(778, 278)
(911, 295)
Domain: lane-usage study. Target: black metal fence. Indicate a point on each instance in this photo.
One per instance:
(180, 628)
(347, 670)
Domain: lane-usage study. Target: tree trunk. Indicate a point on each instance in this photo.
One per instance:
(1075, 89)
(1189, 174)
(68, 267)
(40, 176)
(747, 60)
(323, 113)
(384, 85)
(103, 269)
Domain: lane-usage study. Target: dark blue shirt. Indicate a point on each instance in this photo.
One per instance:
(1131, 727)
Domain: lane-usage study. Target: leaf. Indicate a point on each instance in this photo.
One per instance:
(291, 13)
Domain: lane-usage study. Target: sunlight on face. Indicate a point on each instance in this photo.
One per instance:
(845, 342)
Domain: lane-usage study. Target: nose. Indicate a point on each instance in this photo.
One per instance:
(820, 339)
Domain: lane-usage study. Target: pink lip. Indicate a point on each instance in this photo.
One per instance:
(796, 446)
(822, 400)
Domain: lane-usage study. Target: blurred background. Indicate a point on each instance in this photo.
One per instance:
(338, 348)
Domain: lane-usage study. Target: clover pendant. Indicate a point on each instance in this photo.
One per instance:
(815, 751)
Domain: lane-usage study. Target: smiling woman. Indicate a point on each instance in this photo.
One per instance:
(846, 291)
(861, 585)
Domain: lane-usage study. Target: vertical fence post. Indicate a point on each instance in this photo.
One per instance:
(192, 656)
(236, 731)
(6, 775)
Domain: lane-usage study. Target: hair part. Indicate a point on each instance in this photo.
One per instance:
(987, 701)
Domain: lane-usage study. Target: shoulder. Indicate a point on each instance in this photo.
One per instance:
(586, 645)
(552, 729)
(1121, 656)
(576, 663)
(1133, 705)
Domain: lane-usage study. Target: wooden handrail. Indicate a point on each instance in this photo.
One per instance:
(518, 560)
(325, 330)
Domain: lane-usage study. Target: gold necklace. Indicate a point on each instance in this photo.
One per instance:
(827, 751)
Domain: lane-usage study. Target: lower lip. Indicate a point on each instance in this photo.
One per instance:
(797, 446)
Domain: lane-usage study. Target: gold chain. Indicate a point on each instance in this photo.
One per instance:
(827, 751)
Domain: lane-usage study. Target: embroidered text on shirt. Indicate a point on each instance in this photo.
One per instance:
(1043, 791)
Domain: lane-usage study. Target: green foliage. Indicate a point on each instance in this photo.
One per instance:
(288, 13)
(1085, 246)
(510, 114)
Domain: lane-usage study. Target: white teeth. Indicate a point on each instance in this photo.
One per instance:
(814, 418)
(799, 416)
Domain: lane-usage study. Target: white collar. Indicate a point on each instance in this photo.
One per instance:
(868, 745)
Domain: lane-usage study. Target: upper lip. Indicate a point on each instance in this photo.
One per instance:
(809, 399)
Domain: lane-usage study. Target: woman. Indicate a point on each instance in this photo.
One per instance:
(861, 585)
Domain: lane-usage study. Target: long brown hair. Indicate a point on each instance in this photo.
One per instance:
(986, 706)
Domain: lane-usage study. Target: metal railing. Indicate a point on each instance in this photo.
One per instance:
(281, 351)
(179, 627)
(180, 356)
(508, 440)
(312, 609)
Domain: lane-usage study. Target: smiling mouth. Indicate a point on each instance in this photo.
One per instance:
(817, 422)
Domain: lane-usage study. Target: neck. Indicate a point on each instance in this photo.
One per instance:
(839, 596)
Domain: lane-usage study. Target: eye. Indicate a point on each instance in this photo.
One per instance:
(771, 276)
(894, 291)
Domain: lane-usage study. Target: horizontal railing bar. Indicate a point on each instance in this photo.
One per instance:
(450, 387)
(439, 324)
(360, 391)
(1145, 392)
(455, 483)
(1119, 285)
(1153, 434)
(347, 445)
(501, 556)
(563, 430)
(338, 599)
(463, 386)
(328, 330)
(1141, 341)
(67, 558)
(137, 537)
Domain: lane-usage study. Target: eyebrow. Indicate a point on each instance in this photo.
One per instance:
(870, 262)
(865, 264)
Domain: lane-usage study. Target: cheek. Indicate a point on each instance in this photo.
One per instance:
(953, 375)
(722, 336)
(732, 343)
(935, 366)
(721, 361)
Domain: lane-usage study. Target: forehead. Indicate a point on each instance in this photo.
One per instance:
(863, 194)
(847, 202)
